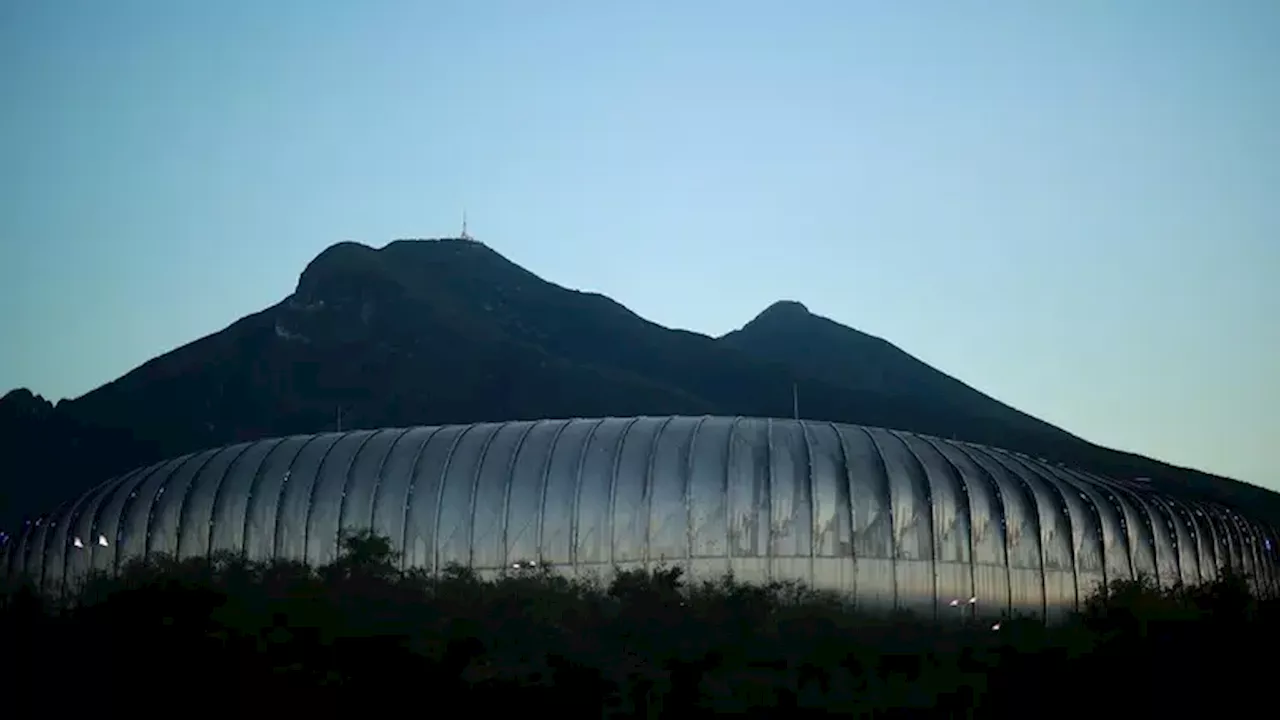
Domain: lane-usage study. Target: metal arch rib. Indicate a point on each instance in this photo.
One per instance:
(160, 470)
(768, 499)
(319, 479)
(1008, 467)
(1186, 517)
(1120, 491)
(207, 457)
(688, 495)
(577, 490)
(962, 484)
(377, 478)
(444, 479)
(508, 480)
(646, 492)
(271, 445)
(1217, 543)
(887, 484)
(1141, 502)
(1248, 548)
(1090, 502)
(70, 520)
(45, 540)
(813, 508)
(542, 491)
(1161, 507)
(256, 482)
(847, 474)
(727, 492)
(346, 482)
(997, 494)
(408, 495)
(165, 479)
(1032, 469)
(183, 511)
(1098, 495)
(927, 481)
(475, 487)
(17, 557)
(126, 482)
(316, 475)
(613, 478)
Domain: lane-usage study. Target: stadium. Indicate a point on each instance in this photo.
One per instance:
(893, 519)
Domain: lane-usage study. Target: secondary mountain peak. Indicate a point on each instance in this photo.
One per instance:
(785, 308)
(791, 320)
(788, 334)
(788, 321)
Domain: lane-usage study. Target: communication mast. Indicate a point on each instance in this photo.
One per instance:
(464, 235)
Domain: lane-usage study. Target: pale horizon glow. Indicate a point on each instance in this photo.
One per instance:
(1073, 207)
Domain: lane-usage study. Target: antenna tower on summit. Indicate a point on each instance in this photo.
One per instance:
(464, 235)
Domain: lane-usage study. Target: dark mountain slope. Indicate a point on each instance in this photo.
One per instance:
(351, 339)
(356, 336)
(45, 451)
(423, 332)
(788, 334)
(450, 331)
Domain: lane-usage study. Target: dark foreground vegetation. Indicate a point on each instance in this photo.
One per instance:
(359, 636)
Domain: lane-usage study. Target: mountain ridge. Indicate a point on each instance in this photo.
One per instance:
(449, 330)
(787, 332)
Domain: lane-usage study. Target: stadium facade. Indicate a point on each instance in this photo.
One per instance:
(892, 518)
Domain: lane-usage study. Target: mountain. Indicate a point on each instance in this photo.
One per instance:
(439, 331)
(786, 333)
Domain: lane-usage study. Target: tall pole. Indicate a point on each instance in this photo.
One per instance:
(795, 400)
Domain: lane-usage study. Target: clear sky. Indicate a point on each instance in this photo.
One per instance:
(1073, 206)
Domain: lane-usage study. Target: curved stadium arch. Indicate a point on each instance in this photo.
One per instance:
(893, 518)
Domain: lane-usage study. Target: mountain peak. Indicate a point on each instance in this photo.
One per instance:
(785, 309)
(21, 402)
(354, 269)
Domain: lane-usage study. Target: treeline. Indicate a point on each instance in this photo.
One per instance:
(361, 636)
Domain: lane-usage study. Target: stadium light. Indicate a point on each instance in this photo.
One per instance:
(960, 605)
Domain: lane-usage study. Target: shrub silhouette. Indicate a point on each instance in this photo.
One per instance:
(226, 632)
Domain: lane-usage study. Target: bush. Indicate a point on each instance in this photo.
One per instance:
(224, 632)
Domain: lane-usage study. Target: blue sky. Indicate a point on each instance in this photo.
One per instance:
(1074, 207)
